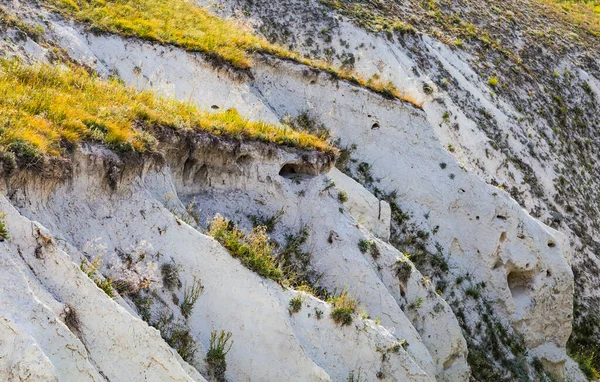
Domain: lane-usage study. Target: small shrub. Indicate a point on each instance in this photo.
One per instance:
(176, 336)
(364, 245)
(354, 377)
(587, 362)
(72, 320)
(215, 357)
(132, 271)
(143, 305)
(371, 246)
(396, 346)
(4, 235)
(342, 196)
(318, 314)
(268, 222)
(343, 310)
(190, 296)
(90, 270)
(473, 292)
(170, 276)
(417, 304)
(295, 304)
(493, 81)
(403, 270)
(254, 249)
(306, 122)
(8, 161)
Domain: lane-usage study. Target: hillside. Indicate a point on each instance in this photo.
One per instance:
(301, 190)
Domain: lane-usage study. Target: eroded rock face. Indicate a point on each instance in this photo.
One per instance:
(256, 310)
(513, 268)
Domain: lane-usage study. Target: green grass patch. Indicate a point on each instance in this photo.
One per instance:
(184, 24)
(44, 106)
(4, 235)
(254, 249)
(344, 308)
(90, 269)
(583, 13)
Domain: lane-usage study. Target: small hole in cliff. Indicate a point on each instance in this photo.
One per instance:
(519, 283)
(548, 273)
(375, 126)
(501, 217)
(214, 107)
(502, 237)
(297, 171)
(188, 166)
(476, 217)
(288, 170)
(313, 82)
(551, 244)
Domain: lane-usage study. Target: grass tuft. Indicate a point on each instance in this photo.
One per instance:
(344, 308)
(91, 269)
(215, 357)
(253, 249)
(295, 304)
(190, 296)
(4, 235)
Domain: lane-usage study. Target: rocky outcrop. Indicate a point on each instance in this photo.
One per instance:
(442, 262)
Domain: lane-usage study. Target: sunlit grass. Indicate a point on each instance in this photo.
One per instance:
(185, 24)
(45, 107)
(584, 13)
(255, 249)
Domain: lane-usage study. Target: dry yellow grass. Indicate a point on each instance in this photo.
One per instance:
(42, 107)
(185, 24)
(584, 13)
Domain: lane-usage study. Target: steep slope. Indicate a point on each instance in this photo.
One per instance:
(512, 90)
(492, 269)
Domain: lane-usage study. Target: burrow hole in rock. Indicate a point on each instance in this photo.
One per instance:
(193, 172)
(296, 171)
(520, 283)
(375, 126)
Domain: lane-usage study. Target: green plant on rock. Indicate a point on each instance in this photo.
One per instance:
(342, 196)
(4, 235)
(90, 269)
(143, 305)
(176, 336)
(493, 81)
(371, 246)
(403, 270)
(254, 249)
(190, 296)
(268, 222)
(416, 304)
(364, 245)
(215, 357)
(170, 275)
(295, 304)
(344, 308)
